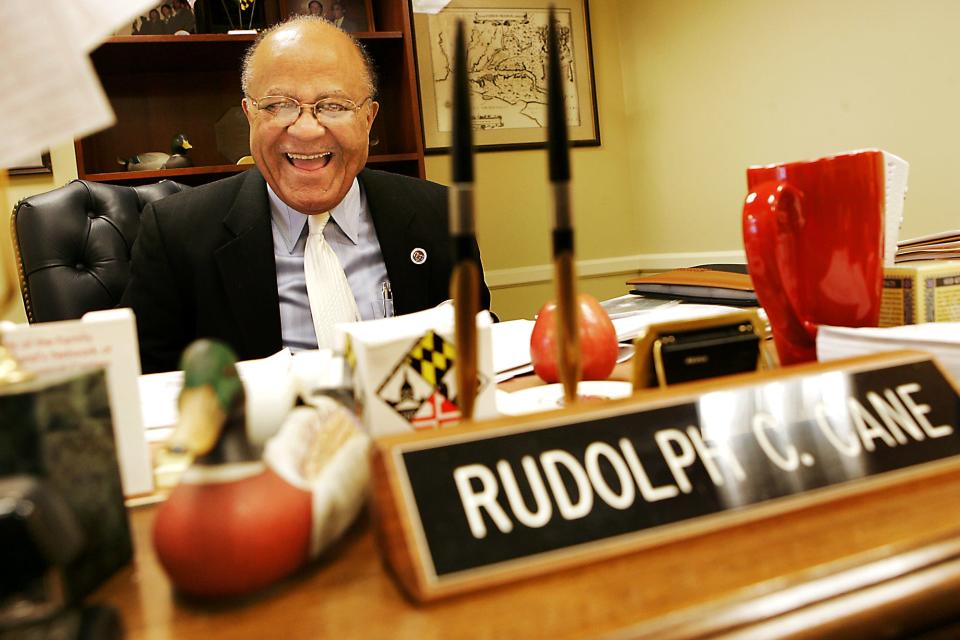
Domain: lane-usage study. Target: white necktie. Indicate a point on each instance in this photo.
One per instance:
(331, 300)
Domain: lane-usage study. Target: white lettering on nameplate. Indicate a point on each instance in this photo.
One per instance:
(525, 493)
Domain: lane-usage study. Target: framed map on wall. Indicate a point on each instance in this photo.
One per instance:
(506, 63)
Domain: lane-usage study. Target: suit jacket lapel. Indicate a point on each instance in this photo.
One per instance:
(248, 269)
(392, 216)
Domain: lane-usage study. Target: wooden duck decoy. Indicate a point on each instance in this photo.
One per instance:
(154, 160)
(238, 522)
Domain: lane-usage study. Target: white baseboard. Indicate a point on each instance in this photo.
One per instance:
(540, 273)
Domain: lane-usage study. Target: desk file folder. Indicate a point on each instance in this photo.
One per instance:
(727, 284)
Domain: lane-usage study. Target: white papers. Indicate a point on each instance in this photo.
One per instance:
(895, 182)
(632, 304)
(158, 394)
(632, 326)
(550, 397)
(511, 344)
(268, 386)
(941, 339)
(50, 89)
(106, 339)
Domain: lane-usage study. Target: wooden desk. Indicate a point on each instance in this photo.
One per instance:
(785, 574)
(349, 594)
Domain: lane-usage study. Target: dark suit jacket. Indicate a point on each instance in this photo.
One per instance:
(203, 263)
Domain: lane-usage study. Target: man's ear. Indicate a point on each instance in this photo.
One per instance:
(372, 113)
(246, 110)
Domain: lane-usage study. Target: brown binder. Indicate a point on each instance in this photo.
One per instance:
(712, 284)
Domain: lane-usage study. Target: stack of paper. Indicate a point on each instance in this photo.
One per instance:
(941, 339)
(936, 246)
(269, 395)
(631, 304)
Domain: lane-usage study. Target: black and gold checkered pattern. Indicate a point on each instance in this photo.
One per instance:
(432, 357)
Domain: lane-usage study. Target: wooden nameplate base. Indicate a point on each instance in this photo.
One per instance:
(481, 505)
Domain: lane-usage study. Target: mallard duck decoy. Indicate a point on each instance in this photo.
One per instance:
(238, 522)
(178, 159)
(153, 160)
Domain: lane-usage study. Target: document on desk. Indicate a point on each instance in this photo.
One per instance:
(941, 339)
(106, 339)
(630, 327)
(268, 387)
(511, 348)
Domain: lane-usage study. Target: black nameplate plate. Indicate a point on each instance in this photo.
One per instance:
(489, 500)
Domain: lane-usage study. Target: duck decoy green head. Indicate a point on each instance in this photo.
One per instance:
(180, 144)
(209, 362)
(211, 401)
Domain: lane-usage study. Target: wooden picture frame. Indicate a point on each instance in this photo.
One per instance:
(39, 165)
(508, 77)
(357, 18)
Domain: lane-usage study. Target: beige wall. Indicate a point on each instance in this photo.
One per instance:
(691, 92)
(64, 164)
(712, 87)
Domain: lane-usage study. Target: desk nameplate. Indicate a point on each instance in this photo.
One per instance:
(481, 505)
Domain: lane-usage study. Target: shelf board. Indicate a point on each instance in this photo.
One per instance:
(391, 157)
(224, 169)
(225, 37)
(200, 37)
(123, 176)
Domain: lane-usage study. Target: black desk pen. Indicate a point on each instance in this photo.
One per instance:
(568, 337)
(465, 281)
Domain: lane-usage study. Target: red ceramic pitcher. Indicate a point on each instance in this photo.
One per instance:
(813, 234)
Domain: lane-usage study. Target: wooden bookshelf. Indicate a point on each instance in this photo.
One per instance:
(163, 85)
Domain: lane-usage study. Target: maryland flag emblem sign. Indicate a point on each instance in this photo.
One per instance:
(422, 387)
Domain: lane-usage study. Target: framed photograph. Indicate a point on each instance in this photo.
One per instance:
(40, 164)
(167, 18)
(353, 16)
(507, 62)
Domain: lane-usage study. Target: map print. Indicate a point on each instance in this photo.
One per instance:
(506, 65)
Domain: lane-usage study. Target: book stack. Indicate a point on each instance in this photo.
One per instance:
(724, 284)
(935, 246)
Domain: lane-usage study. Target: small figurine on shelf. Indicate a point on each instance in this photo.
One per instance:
(238, 522)
(154, 160)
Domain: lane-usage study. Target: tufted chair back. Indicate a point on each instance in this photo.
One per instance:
(73, 245)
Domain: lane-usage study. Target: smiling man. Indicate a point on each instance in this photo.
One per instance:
(276, 255)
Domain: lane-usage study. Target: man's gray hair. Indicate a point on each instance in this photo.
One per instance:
(368, 64)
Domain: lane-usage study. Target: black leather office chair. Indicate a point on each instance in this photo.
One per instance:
(73, 245)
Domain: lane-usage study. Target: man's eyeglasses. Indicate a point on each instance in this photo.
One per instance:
(284, 111)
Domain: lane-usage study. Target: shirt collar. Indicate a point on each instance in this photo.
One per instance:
(291, 222)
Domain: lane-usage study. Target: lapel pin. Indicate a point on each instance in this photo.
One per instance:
(418, 256)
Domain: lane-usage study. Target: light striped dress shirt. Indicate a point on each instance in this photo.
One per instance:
(353, 239)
